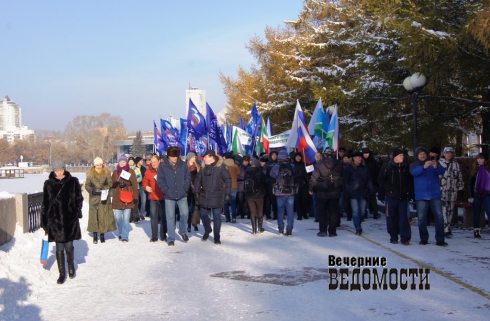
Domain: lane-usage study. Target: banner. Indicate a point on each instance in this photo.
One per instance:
(279, 140)
(244, 137)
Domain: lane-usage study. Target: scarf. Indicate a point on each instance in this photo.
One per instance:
(482, 185)
(120, 169)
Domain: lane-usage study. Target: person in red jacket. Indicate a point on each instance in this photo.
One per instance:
(157, 200)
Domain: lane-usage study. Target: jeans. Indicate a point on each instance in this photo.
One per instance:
(285, 202)
(232, 203)
(397, 220)
(122, 220)
(158, 207)
(358, 206)
(422, 208)
(142, 201)
(170, 214)
(477, 202)
(216, 221)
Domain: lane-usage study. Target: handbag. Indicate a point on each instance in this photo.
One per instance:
(44, 250)
(125, 196)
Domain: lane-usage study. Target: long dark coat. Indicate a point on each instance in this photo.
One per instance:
(62, 208)
(212, 183)
(100, 216)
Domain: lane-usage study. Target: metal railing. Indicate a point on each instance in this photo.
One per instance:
(34, 205)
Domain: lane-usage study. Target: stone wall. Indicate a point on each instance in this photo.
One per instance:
(7, 219)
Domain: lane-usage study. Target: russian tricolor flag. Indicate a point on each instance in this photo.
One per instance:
(305, 145)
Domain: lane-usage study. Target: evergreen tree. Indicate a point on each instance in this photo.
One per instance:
(138, 148)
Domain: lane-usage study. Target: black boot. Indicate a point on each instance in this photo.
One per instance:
(102, 238)
(60, 258)
(254, 225)
(70, 256)
(95, 237)
(261, 220)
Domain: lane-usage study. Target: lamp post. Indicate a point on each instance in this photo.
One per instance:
(414, 84)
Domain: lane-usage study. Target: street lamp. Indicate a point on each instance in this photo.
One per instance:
(414, 84)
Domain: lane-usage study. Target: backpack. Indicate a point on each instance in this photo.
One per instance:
(328, 182)
(251, 185)
(285, 182)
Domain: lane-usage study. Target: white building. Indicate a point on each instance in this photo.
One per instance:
(11, 122)
(198, 99)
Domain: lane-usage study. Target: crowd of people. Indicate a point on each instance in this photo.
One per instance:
(277, 186)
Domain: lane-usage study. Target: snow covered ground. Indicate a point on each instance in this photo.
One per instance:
(263, 277)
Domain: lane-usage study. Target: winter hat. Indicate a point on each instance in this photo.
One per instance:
(189, 156)
(58, 164)
(329, 151)
(484, 155)
(131, 158)
(264, 158)
(342, 149)
(98, 161)
(246, 158)
(123, 158)
(448, 150)
(173, 151)
(420, 149)
(228, 155)
(210, 152)
(365, 150)
(435, 150)
(137, 160)
(397, 152)
(357, 153)
(298, 154)
(256, 163)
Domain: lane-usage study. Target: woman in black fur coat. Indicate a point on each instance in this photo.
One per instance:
(61, 210)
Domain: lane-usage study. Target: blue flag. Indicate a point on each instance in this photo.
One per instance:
(166, 125)
(214, 131)
(160, 145)
(241, 125)
(196, 123)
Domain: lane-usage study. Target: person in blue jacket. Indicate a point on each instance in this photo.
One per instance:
(426, 173)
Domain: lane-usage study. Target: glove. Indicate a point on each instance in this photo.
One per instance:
(470, 199)
(80, 214)
(227, 198)
(96, 192)
(196, 199)
(122, 184)
(114, 185)
(460, 195)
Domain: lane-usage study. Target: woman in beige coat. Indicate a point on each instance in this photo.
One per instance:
(100, 214)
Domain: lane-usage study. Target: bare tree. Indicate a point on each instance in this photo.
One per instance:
(95, 135)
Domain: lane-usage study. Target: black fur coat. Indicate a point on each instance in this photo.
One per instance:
(62, 208)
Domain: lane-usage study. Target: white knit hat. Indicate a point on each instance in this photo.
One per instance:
(98, 161)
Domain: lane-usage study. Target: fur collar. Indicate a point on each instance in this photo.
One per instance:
(92, 173)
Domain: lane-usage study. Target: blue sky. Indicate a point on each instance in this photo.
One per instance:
(60, 59)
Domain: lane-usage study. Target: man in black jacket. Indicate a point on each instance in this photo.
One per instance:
(212, 189)
(326, 180)
(270, 200)
(397, 182)
(372, 165)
